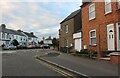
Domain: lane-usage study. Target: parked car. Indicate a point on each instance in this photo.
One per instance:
(31, 46)
(37, 46)
(21, 47)
(46, 46)
(10, 47)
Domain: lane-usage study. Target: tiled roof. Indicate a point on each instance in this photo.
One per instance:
(10, 31)
(29, 34)
(48, 39)
(72, 15)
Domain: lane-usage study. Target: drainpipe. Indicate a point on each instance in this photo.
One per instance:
(99, 49)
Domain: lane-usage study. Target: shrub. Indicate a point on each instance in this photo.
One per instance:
(105, 53)
(88, 53)
(94, 54)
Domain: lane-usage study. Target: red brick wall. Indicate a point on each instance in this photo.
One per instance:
(115, 59)
(99, 23)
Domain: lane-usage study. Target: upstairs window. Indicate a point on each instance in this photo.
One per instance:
(108, 7)
(0, 35)
(3, 35)
(93, 37)
(118, 4)
(66, 29)
(92, 11)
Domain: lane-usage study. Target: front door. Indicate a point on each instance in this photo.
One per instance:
(118, 36)
(110, 37)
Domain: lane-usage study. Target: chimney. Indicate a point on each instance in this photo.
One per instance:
(50, 37)
(19, 30)
(32, 33)
(86, 1)
(3, 26)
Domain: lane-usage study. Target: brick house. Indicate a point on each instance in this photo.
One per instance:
(68, 26)
(101, 25)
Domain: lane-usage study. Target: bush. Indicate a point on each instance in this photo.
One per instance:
(105, 53)
(94, 54)
(88, 53)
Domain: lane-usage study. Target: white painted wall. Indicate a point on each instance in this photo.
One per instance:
(47, 41)
(77, 41)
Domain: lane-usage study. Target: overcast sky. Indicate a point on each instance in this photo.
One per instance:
(39, 16)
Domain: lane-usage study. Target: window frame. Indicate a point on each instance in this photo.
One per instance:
(90, 18)
(66, 28)
(94, 30)
(118, 4)
(108, 3)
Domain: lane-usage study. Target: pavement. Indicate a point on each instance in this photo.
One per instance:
(23, 63)
(85, 66)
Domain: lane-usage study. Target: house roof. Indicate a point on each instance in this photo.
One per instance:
(48, 38)
(29, 34)
(85, 3)
(10, 31)
(72, 15)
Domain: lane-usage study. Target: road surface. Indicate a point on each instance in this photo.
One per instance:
(23, 63)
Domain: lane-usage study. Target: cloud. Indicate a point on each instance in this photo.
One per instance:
(43, 0)
(29, 17)
(43, 18)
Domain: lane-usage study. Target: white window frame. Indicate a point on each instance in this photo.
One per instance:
(66, 29)
(90, 18)
(118, 4)
(1, 35)
(106, 4)
(92, 37)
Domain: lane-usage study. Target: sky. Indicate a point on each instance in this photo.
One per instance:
(42, 17)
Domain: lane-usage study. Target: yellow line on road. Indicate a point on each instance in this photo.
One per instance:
(56, 69)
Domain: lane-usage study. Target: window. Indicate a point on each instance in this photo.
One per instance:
(0, 35)
(16, 37)
(119, 33)
(118, 4)
(93, 37)
(66, 28)
(3, 35)
(92, 11)
(108, 8)
(66, 43)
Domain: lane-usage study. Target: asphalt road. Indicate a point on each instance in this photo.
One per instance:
(85, 66)
(23, 63)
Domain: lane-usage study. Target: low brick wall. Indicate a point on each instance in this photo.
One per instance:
(115, 58)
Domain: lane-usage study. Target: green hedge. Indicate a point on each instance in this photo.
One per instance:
(88, 53)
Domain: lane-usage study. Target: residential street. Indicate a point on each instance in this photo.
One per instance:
(23, 63)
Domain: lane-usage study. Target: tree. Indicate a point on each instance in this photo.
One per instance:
(41, 42)
(55, 42)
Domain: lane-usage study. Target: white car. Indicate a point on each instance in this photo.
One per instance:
(10, 47)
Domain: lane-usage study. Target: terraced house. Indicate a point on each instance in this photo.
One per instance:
(101, 25)
(7, 35)
(24, 38)
(68, 27)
